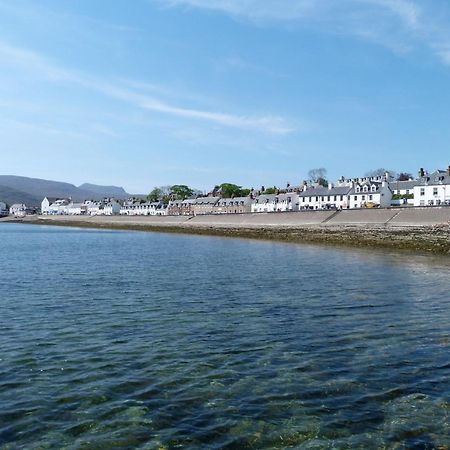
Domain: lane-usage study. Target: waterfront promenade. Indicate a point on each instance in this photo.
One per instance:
(418, 229)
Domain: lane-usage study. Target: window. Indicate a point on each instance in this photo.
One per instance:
(422, 191)
(370, 197)
(435, 191)
(356, 197)
(407, 192)
(363, 197)
(329, 198)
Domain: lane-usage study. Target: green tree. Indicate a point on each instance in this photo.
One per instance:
(155, 195)
(159, 193)
(181, 191)
(229, 190)
(271, 190)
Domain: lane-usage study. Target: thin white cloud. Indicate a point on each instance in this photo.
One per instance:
(35, 64)
(400, 25)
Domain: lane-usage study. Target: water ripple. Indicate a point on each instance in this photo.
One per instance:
(151, 341)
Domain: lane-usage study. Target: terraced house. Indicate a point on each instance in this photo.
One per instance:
(370, 194)
(433, 189)
(237, 205)
(275, 203)
(319, 197)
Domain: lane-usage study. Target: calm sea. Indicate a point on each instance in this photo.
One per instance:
(126, 340)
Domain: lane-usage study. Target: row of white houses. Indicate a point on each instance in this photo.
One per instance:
(105, 207)
(428, 189)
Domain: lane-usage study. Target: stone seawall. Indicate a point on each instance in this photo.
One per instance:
(417, 229)
(390, 217)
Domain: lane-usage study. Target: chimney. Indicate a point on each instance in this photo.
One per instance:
(448, 171)
(421, 172)
(330, 186)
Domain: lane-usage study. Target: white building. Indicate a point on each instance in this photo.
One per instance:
(94, 208)
(18, 210)
(403, 192)
(433, 189)
(276, 203)
(320, 197)
(55, 206)
(76, 209)
(111, 208)
(370, 194)
(137, 208)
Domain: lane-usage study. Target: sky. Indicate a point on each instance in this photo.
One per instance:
(146, 93)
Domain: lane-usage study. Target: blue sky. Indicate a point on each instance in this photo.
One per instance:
(255, 92)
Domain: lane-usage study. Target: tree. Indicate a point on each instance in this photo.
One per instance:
(159, 193)
(404, 176)
(229, 190)
(271, 190)
(155, 195)
(318, 176)
(181, 191)
(380, 172)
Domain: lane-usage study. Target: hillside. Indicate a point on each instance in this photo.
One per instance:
(105, 191)
(31, 191)
(11, 196)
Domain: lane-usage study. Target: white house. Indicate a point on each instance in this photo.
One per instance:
(433, 189)
(94, 208)
(18, 210)
(275, 203)
(403, 192)
(46, 203)
(76, 209)
(370, 194)
(111, 208)
(320, 197)
(55, 206)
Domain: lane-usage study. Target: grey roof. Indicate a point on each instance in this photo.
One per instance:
(265, 198)
(206, 200)
(235, 201)
(378, 185)
(438, 177)
(402, 185)
(51, 199)
(324, 191)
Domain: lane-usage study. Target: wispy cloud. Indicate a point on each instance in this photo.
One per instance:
(36, 64)
(400, 25)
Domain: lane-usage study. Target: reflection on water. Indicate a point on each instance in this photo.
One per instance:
(152, 341)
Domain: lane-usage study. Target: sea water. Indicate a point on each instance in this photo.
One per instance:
(136, 340)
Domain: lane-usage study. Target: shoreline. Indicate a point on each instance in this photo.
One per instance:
(432, 239)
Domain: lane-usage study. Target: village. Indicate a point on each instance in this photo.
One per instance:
(380, 191)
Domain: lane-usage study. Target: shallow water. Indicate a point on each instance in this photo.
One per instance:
(157, 341)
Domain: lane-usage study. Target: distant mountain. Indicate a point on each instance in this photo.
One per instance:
(31, 191)
(105, 191)
(11, 196)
